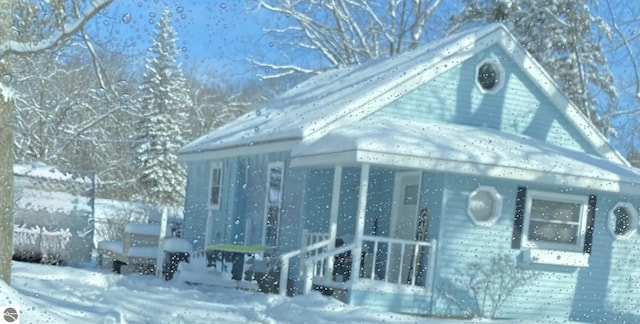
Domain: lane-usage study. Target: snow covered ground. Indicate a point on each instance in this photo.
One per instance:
(51, 294)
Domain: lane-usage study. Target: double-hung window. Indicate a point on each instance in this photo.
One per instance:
(215, 185)
(554, 227)
(273, 203)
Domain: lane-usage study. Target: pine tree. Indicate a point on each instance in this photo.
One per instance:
(163, 105)
(564, 37)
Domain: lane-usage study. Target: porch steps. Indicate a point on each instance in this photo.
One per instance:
(328, 287)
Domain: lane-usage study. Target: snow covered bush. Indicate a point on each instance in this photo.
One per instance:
(26, 243)
(40, 245)
(54, 246)
(482, 288)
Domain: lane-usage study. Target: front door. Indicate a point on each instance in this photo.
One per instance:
(404, 221)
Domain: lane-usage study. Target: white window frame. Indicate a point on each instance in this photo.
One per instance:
(495, 212)
(633, 218)
(270, 166)
(215, 165)
(562, 198)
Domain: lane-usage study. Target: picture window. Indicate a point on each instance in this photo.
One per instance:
(554, 221)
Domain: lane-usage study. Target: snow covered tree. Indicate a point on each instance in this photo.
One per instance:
(159, 131)
(564, 36)
(49, 22)
(345, 32)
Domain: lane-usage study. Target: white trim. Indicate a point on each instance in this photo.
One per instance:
(611, 221)
(335, 203)
(242, 149)
(564, 258)
(209, 229)
(500, 75)
(583, 201)
(215, 165)
(270, 166)
(497, 206)
(361, 214)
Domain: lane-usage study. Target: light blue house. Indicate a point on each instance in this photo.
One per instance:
(454, 153)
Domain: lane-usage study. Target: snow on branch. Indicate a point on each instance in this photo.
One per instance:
(346, 32)
(283, 69)
(67, 30)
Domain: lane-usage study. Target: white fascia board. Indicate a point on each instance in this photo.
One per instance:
(240, 150)
(346, 158)
(497, 171)
(554, 93)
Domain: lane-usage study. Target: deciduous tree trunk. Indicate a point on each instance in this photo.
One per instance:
(6, 154)
(6, 186)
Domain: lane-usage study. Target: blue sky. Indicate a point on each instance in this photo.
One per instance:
(216, 36)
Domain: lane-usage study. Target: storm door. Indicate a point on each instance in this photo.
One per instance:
(273, 203)
(404, 222)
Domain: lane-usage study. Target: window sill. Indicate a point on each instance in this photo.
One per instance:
(563, 258)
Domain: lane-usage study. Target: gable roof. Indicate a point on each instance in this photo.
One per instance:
(343, 96)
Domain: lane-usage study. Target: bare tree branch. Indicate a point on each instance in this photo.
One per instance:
(17, 47)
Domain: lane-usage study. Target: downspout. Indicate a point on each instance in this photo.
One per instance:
(362, 207)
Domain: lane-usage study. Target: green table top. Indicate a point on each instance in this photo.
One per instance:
(237, 248)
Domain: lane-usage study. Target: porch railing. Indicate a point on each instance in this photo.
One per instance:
(313, 244)
(393, 261)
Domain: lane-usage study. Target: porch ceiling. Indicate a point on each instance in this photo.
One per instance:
(462, 149)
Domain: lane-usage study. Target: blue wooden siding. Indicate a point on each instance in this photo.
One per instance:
(348, 206)
(519, 107)
(196, 202)
(400, 303)
(317, 200)
(583, 294)
(290, 235)
(380, 194)
(251, 196)
(379, 200)
(607, 291)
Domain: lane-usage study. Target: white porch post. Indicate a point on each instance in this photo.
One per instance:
(335, 204)
(362, 206)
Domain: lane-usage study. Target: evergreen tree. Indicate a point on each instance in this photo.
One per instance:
(564, 37)
(163, 106)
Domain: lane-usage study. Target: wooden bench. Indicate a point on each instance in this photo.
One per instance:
(137, 252)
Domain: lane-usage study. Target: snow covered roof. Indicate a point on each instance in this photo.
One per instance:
(343, 96)
(41, 170)
(462, 149)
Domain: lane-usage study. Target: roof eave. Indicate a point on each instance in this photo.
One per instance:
(517, 173)
(239, 149)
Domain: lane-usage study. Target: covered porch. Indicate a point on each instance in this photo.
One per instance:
(343, 264)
